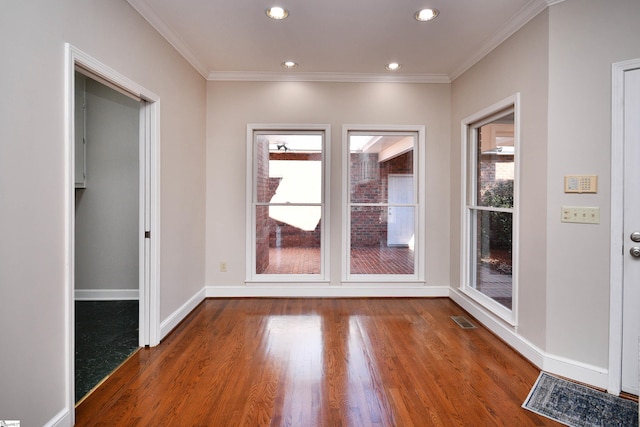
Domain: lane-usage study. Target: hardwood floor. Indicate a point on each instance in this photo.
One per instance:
(319, 362)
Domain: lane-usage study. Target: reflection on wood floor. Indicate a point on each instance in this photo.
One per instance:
(319, 362)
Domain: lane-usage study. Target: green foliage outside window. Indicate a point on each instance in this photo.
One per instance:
(497, 228)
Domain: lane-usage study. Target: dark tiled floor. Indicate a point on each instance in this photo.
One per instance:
(106, 334)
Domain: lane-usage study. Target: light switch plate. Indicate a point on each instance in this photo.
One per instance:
(581, 215)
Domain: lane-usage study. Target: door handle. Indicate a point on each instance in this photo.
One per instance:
(635, 236)
(635, 251)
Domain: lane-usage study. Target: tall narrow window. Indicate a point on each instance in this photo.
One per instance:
(287, 204)
(492, 150)
(383, 210)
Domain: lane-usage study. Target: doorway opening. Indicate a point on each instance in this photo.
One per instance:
(107, 212)
(93, 228)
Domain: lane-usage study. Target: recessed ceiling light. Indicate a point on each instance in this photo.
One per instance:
(426, 14)
(277, 12)
(289, 64)
(393, 66)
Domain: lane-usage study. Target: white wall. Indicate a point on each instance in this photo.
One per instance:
(519, 65)
(107, 217)
(586, 37)
(231, 105)
(32, 180)
(560, 62)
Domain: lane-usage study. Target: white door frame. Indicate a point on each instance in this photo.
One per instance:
(617, 223)
(149, 295)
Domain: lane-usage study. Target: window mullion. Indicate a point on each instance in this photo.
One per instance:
(491, 209)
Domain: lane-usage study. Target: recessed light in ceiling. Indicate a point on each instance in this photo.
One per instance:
(289, 64)
(426, 14)
(393, 66)
(277, 12)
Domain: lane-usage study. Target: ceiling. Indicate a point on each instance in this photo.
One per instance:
(336, 40)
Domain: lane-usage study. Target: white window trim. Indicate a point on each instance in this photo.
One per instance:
(419, 164)
(292, 279)
(466, 267)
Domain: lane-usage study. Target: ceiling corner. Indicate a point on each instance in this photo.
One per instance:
(150, 15)
(519, 20)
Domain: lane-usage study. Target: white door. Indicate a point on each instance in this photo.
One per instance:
(400, 221)
(631, 275)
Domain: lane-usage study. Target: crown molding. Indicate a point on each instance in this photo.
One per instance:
(524, 15)
(327, 77)
(152, 17)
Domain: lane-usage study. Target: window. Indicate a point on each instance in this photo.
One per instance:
(383, 213)
(491, 157)
(287, 203)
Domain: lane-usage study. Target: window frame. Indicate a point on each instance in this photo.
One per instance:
(417, 278)
(469, 206)
(251, 202)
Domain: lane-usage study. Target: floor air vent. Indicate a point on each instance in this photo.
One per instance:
(463, 322)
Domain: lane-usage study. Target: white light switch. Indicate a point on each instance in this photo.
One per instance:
(582, 215)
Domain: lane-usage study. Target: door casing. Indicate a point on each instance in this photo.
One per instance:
(631, 278)
(618, 237)
(149, 206)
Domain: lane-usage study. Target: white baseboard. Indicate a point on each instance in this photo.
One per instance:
(61, 419)
(276, 290)
(168, 324)
(577, 371)
(105, 294)
(530, 351)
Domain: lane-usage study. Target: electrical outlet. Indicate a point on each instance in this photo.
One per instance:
(223, 266)
(581, 215)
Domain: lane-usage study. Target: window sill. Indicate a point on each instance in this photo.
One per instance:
(490, 305)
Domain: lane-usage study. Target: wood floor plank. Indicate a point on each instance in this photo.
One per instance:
(319, 362)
